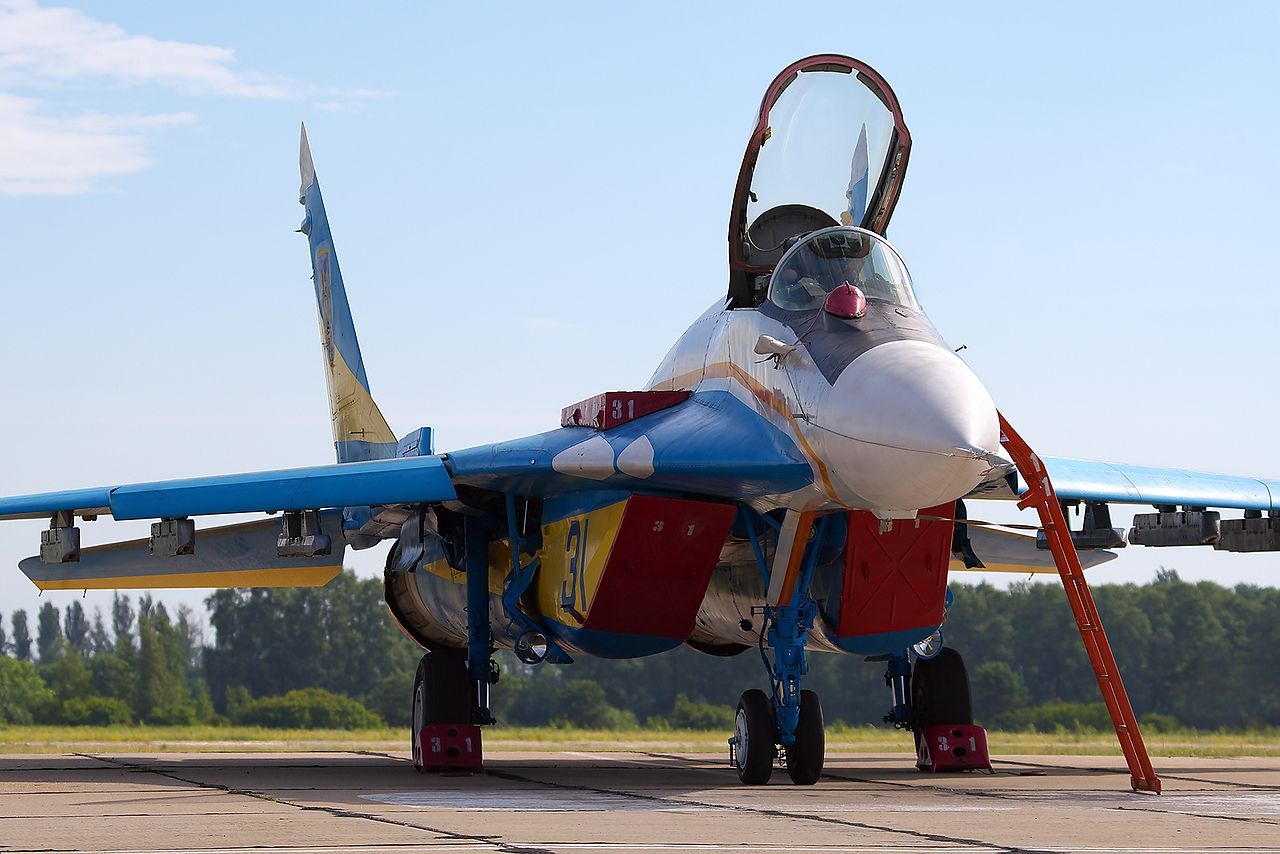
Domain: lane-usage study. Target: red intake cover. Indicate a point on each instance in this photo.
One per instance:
(896, 580)
(659, 566)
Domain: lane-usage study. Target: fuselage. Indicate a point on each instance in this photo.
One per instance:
(889, 418)
(886, 416)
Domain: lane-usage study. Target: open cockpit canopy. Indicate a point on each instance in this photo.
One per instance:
(829, 148)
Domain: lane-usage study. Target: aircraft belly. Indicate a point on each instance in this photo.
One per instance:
(735, 590)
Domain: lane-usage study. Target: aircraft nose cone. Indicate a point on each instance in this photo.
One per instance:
(909, 426)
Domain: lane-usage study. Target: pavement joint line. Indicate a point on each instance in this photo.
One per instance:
(612, 846)
(1245, 818)
(892, 783)
(493, 841)
(377, 848)
(1184, 778)
(923, 786)
(931, 837)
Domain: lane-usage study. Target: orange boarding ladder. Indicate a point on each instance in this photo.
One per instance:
(1040, 494)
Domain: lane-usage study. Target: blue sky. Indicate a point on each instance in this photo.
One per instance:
(530, 205)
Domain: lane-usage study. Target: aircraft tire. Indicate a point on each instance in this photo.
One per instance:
(806, 757)
(940, 692)
(441, 694)
(755, 729)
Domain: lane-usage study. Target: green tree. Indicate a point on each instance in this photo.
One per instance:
(96, 711)
(76, 626)
(163, 696)
(336, 637)
(24, 698)
(306, 708)
(4, 641)
(65, 672)
(99, 640)
(583, 704)
(112, 676)
(122, 618)
(21, 636)
(997, 690)
(687, 714)
(48, 630)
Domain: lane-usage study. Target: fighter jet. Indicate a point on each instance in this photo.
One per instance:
(793, 478)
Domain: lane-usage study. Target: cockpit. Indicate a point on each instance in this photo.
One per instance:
(821, 261)
(824, 165)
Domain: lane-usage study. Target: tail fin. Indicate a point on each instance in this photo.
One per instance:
(359, 430)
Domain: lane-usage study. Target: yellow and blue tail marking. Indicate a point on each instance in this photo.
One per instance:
(360, 432)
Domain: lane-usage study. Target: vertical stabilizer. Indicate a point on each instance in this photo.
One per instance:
(359, 430)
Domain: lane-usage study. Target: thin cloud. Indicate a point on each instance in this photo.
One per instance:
(51, 155)
(54, 44)
(48, 151)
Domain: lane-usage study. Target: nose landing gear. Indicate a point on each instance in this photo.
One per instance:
(791, 718)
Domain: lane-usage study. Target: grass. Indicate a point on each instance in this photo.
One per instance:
(840, 739)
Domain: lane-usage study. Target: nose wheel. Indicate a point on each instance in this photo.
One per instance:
(755, 740)
(754, 736)
(806, 757)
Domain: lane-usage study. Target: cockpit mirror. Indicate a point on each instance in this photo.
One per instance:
(829, 148)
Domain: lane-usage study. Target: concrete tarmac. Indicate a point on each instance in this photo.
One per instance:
(531, 803)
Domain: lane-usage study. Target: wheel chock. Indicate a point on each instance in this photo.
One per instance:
(953, 747)
(451, 747)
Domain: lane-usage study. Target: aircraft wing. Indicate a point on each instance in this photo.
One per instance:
(1090, 480)
(407, 480)
(691, 447)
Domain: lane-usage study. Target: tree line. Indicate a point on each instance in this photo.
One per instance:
(1197, 655)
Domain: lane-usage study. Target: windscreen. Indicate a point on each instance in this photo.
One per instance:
(821, 262)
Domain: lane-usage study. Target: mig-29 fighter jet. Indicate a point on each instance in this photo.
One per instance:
(793, 478)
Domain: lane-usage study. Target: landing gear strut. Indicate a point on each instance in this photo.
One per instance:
(791, 718)
(451, 688)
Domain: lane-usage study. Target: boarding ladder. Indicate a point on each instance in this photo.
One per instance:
(1040, 495)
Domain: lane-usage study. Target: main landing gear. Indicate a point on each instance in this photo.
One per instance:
(451, 687)
(443, 697)
(791, 718)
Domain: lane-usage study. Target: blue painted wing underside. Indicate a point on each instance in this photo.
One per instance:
(1091, 480)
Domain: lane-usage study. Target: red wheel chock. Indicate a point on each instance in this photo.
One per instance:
(953, 747)
(451, 747)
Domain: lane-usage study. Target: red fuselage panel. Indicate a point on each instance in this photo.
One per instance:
(895, 580)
